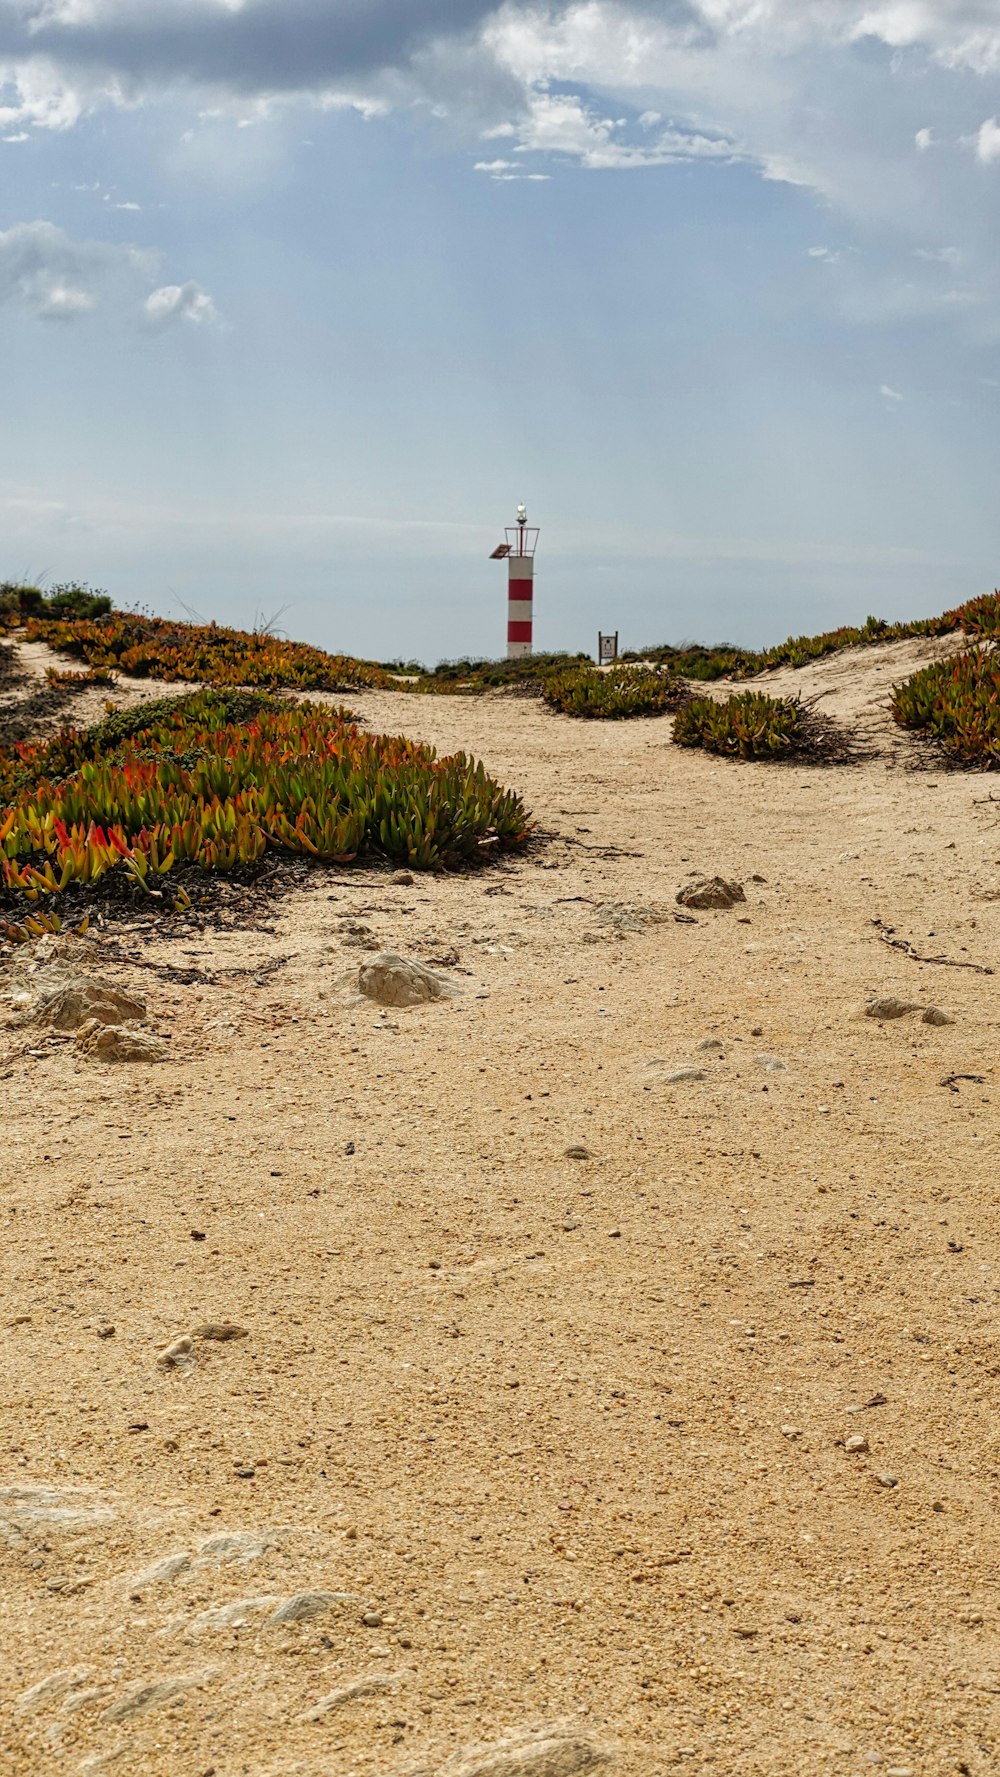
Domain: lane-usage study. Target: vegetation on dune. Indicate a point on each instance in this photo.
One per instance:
(748, 725)
(213, 782)
(527, 674)
(978, 616)
(71, 599)
(203, 653)
(956, 702)
(621, 691)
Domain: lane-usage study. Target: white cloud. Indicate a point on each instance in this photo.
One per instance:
(988, 141)
(56, 278)
(831, 96)
(179, 302)
(890, 394)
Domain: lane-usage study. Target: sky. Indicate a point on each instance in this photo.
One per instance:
(300, 298)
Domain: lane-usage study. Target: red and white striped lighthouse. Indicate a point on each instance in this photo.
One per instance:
(519, 553)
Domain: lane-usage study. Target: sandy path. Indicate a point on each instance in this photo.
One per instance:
(529, 1410)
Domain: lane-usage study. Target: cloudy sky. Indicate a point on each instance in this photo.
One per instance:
(298, 298)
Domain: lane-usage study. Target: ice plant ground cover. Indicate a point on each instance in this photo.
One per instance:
(748, 725)
(956, 702)
(622, 691)
(203, 653)
(203, 784)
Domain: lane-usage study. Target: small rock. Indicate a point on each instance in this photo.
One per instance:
(791, 1431)
(710, 891)
(889, 1007)
(708, 1045)
(856, 1445)
(219, 1330)
(106, 1332)
(116, 1042)
(140, 1698)
(304, 1605)
(678, 1074)
(402, 879)
(402, 981)
(547, 1752)
(887, 1480)
(771, 1064)
(372, 1619)
(176, 1352)
(369, 1686)
(577, 1152)
(232, 1615)
(934, 1015)
(68, 1004)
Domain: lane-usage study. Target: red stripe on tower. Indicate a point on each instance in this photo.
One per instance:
(519, 551)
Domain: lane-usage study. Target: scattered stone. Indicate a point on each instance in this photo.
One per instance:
(889, 1007)
(27, 1509)
(107, 1331)
(710, 891)
(219, 1330)
(402, 981)
(67, 1003)
(167, 1569)
(544, 1753)
(370, 1686)
(309, 1604)
(115, 1042)
(51, 1689)
(791, 1431)
(771, 1064)
(934, 1015)
(678, 1074)
(402, 879)
(856, 1445)
(887, 1480)
(178, 1351)
(577, 1152)
(232, 1615)
(148, 1694)
(372, 1619)
(709, 1045)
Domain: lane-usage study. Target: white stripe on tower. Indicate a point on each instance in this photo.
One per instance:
(520, 598)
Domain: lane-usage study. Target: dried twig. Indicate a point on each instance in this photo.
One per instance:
(886, 934)
(952, 1079)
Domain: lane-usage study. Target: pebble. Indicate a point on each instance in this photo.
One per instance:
(934, 1015)
(107, 1332)
(577, 1152)
(887, 1480)
(220, 1330)
(856, 1445)
(709, 1044)
(677, 1074)
(889, 1007)
(372, 1619)
(176, 1351)
(791, 1431)
(771, 1064)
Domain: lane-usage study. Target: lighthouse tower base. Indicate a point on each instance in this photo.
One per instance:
(520, 601)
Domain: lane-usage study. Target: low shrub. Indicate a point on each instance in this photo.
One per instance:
(748, 725)
(956, 702)
(196, 785)
(619, 692)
